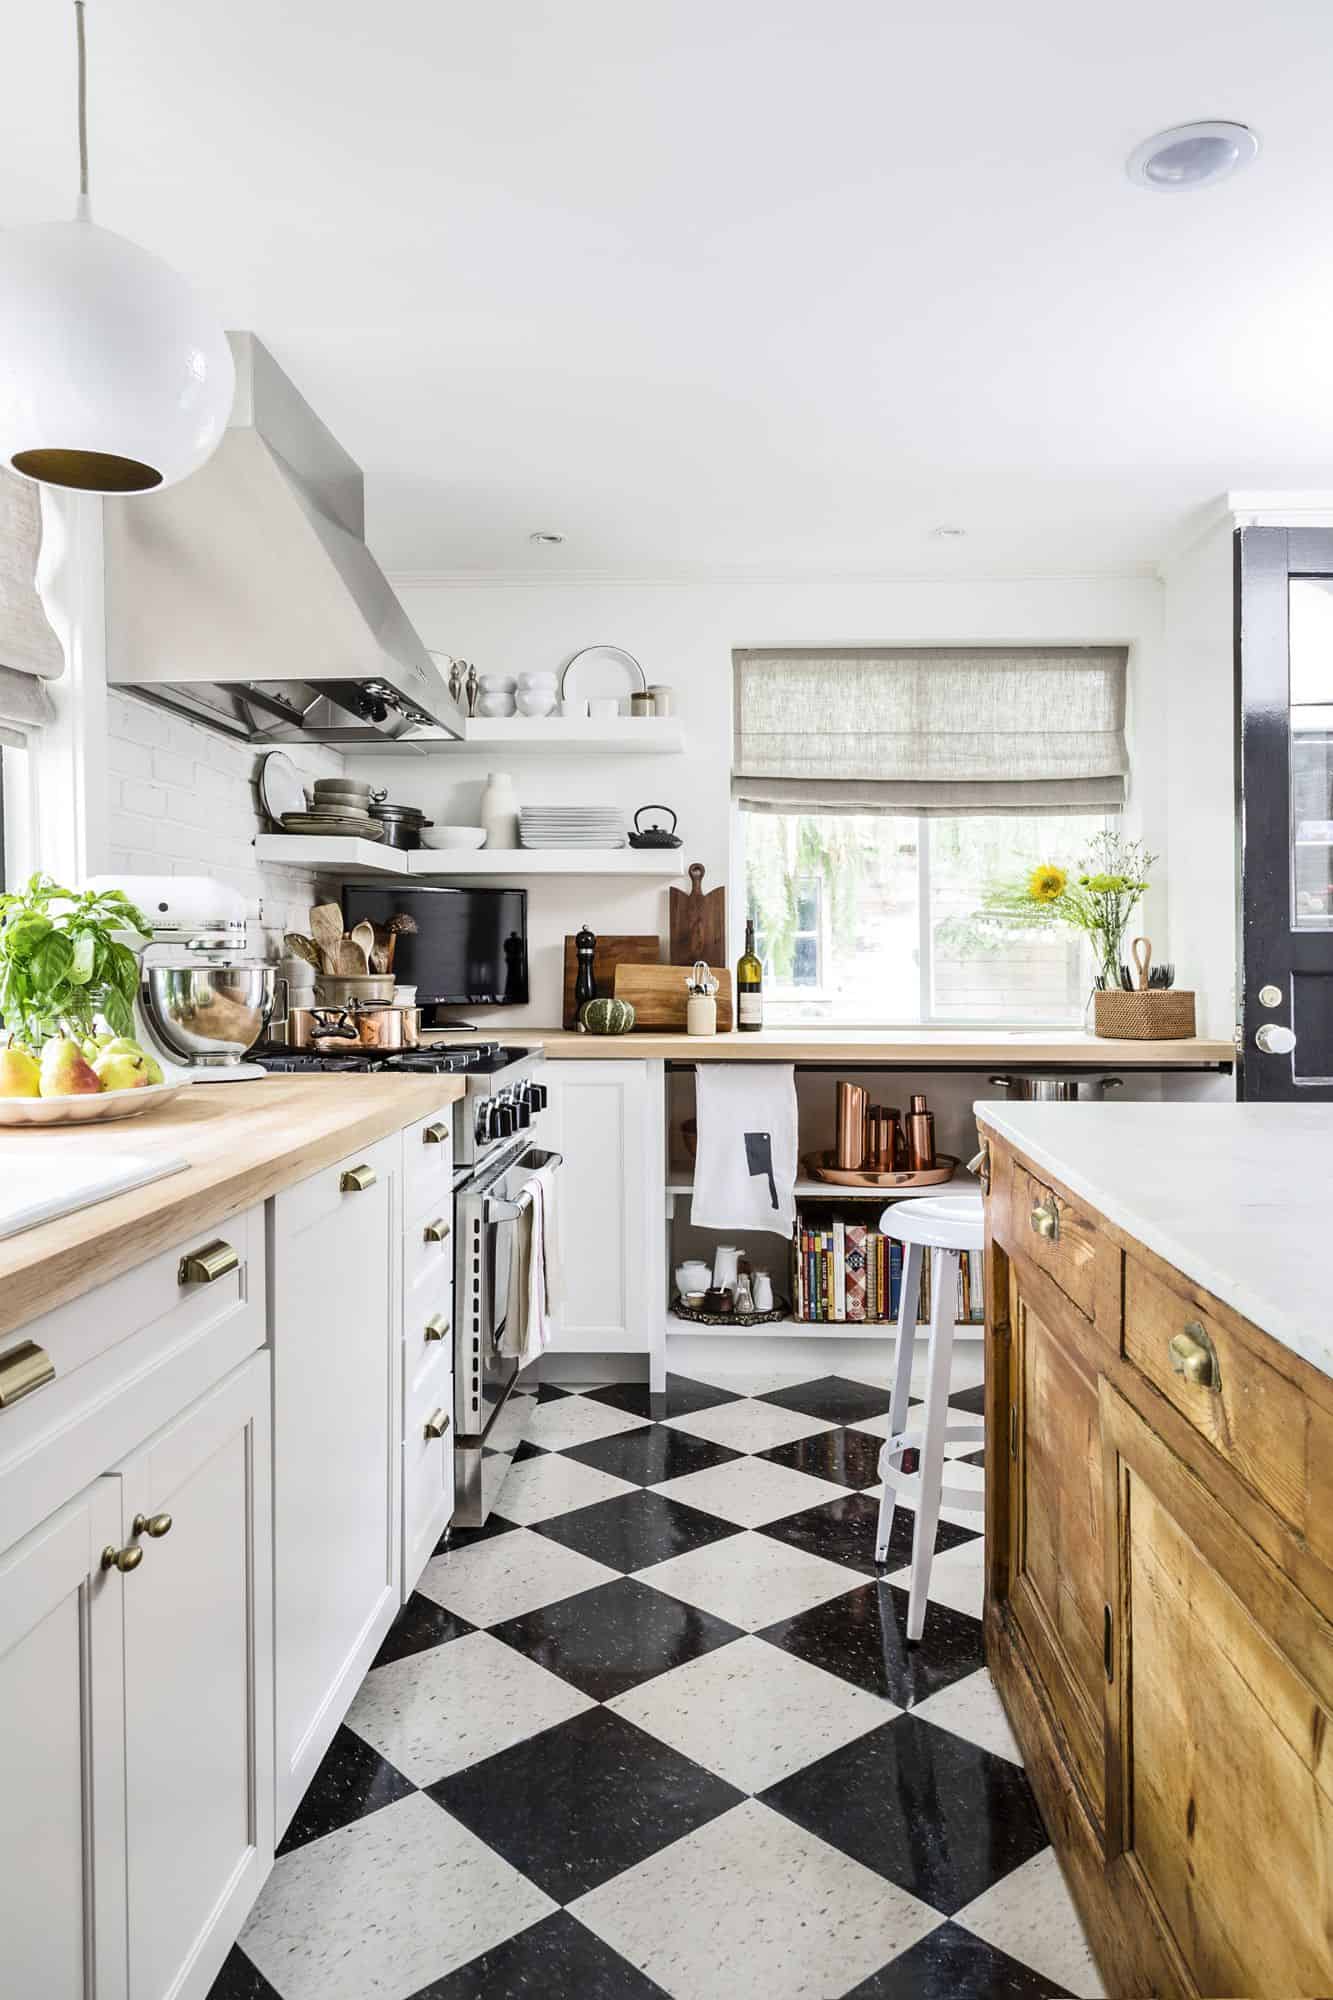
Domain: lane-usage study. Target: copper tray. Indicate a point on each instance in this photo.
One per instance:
(780, 1310)
(822, 1167)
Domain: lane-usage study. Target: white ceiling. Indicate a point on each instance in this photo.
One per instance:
(733, 284)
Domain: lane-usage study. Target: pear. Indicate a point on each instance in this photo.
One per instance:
(66, 1071)
(20, 1074)
(117, 1069)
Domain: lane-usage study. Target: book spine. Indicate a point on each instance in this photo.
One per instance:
(839, 1271)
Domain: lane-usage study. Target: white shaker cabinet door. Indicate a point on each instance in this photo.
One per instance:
(608, 1128)
(335, 1260)
(198, 1685)
(62, 1777)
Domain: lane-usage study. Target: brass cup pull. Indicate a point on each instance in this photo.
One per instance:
(437, 1425)
(435, 1135)
(206, 1266)
(155, 1525)
(1045, 1218)
(979, 1164)
(435, 1232)
(355, 1180)
(1194, 1356)
(23, 1369)
(436, 1327)
(122, 1559)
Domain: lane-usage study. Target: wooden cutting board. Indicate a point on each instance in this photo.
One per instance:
(658, 996)
(698, 922)
(610, 952)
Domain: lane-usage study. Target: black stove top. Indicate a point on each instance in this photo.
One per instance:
(478, 1058)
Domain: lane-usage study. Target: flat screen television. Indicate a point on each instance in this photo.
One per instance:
(469, 948)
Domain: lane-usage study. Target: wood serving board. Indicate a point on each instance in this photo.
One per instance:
(697, 922)
(658, 995)
(610, 952)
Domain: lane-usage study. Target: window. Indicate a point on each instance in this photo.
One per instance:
(890, 919)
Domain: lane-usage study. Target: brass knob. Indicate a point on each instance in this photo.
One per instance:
(979, 1164)
(357, 1179)
(1045, 1219)
(155, 1525)
(1194, 1357)
(435, 1135)
(437, 1425)
(122, 1559)
(206, 1266)
(435, 1232)
(23, 1369)
(436, 1327)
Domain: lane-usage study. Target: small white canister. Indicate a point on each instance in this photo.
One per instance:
(701, 1014)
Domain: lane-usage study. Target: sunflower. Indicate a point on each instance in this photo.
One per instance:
(1046, 884)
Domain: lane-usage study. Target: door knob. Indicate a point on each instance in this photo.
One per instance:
(155, 1525)
(122, 1559)
(1275, 1040)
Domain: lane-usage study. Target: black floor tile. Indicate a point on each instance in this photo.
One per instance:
(862, 1637)
(527, 1449)
(952, 1964)
(683, 1397)
(635, 1529)
(420, 1625)
(240, 1980)
(615, 1636)
(971, 1400)
(844, 1531)
(851, 1458)
(834, 1399)
(352, 1780)
(651, 1454)
(547, 1392)
(576, 1804)
(939, 1816)
(557, 1959)
(464, 1538)
(977, 1457)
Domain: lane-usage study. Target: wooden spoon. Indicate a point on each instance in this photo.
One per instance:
(326, 928)
(351, 960)
(297, 945)
(363, 934)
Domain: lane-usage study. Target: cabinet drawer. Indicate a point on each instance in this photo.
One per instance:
(428, 1252)
(428, 1492)
(428, 1162)
(426, 1361)
(1255, 1418)
(1055, 1234)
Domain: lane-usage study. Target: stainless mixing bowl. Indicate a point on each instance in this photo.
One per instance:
(209, 1014)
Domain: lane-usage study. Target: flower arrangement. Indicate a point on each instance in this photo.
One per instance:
(1100, 899)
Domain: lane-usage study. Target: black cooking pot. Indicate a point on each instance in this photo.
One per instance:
(402, 824)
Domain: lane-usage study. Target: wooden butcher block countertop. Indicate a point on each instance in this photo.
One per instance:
(944, 1048)
(243, 1142)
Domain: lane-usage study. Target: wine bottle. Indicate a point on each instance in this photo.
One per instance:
(749, 986)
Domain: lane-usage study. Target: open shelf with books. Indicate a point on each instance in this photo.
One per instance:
(846, 1272)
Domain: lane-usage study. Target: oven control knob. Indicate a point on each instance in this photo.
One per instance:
(537, 1096)
(483, 1122)
(505, 1116)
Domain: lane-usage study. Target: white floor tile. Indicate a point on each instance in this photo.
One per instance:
(713, 1913)
(440, 1710)
(536, 1489)
(1031, 1915)
(385, 1906)
(748, 1425)
(573, 1420)
(751, 1491)
(751, 1580)
(972, 1708)
(957, 1576)
(508, 1575)
(752, 1713)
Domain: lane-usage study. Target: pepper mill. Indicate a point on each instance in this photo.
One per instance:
(472, 687)
(585, 985)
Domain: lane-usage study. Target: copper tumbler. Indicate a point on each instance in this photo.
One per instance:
(850, 1140)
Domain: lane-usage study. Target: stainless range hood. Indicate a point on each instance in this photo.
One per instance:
(246, 598)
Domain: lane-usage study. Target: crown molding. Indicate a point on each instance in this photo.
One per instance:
(701, 574)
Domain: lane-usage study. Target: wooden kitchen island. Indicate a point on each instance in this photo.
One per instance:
(1159, 1411)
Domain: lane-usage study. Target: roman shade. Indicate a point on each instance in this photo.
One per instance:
(30, 653)
(931, 730)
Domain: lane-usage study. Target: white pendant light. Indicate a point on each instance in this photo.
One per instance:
(114, 375)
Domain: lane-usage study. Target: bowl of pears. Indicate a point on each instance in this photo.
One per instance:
(72, 1082)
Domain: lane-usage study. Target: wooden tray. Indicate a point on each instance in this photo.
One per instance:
(700, 1318)
(820, 1167)
(610, 952)
(658, 996)
(697, 923)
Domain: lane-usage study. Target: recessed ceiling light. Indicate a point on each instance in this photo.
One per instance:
(946, 533)
(542, 535)
(1192, 156)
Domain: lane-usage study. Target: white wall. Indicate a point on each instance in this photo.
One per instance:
(683, 632)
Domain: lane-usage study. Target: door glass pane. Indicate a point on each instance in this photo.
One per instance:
(1310, 612)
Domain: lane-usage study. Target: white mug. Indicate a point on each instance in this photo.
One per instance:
(726, 1263)
(603, 707)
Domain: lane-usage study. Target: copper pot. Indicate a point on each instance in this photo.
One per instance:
(386, 1028)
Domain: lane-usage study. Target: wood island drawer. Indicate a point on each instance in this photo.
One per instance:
(1056, 1235)
(1257, 1419)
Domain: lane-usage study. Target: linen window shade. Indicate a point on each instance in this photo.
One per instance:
(30, 653)
(930, 730)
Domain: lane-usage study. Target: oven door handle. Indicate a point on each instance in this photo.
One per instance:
(495, 1209)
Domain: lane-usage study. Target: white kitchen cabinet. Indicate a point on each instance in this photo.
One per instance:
(335, 1253)
(608, 1125)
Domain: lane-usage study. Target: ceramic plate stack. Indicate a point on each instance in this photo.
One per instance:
(339, 808)
(571, 826)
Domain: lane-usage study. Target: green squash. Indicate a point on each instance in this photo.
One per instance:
(605, 1017)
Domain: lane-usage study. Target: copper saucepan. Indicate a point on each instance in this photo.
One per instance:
(343, 1030)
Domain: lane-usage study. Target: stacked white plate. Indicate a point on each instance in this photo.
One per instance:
(571, 826)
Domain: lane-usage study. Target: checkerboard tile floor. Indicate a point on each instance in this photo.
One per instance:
(656, 1730)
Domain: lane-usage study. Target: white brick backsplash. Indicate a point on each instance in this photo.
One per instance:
(137, 797)
(173, 768)
(130, 759)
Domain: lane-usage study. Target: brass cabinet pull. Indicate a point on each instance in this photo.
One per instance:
(435, 1135)
(23, 1369)
(436, 1327)
(1194, 1356)
(355, 1180)
(1045, 1219)
(122, 1559)
(155, 1525)
(206, 1266)
(979, 1164)
(437, 1425)
(435, 1232)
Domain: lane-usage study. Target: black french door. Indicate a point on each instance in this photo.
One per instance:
(1284, 690)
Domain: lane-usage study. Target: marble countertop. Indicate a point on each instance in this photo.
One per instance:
(1235, 1196)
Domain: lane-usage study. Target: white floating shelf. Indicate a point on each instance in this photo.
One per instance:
(318, 853)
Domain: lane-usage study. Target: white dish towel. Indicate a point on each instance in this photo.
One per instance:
(534, 1270)
(745, 1171)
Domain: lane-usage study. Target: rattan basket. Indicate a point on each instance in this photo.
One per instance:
(1153, 1014)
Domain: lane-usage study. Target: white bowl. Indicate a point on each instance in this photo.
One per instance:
(493, 706)
(535, 701)
(496, 683)
(453, 836)
(536, 680)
